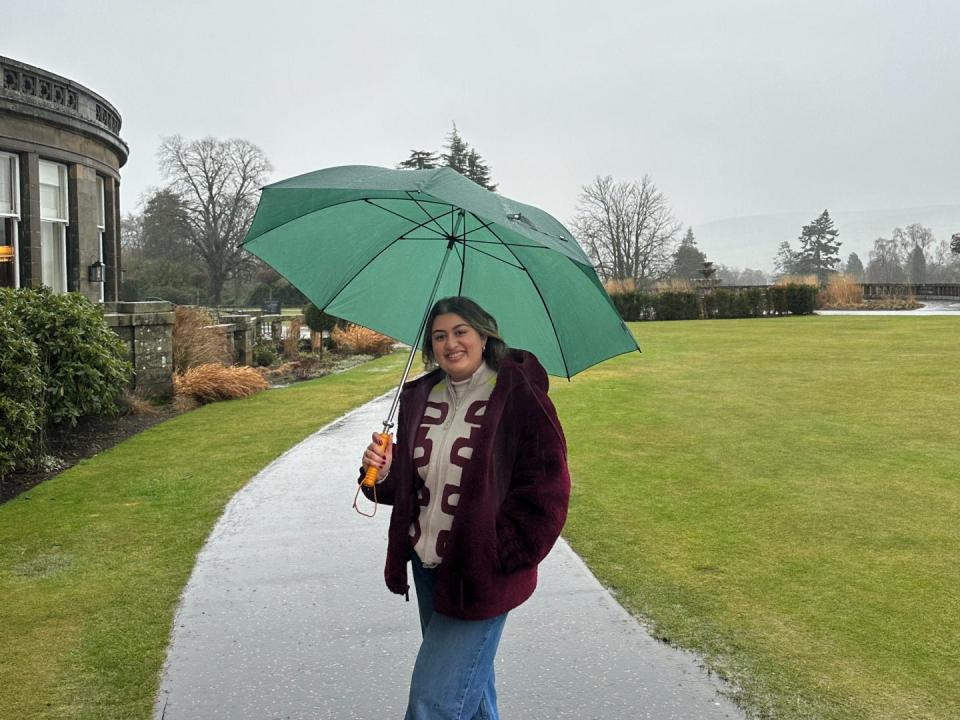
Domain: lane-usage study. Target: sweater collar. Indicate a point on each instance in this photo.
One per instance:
(461, 388)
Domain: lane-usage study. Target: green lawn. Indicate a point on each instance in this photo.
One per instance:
(780, 494)
(92, 562)
(784, 496)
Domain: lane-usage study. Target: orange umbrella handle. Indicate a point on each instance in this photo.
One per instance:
(370, 479)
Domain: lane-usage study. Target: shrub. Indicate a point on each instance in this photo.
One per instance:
(21, 386)
(676, 305)
(263, 355)
(754, 300)
(727, 303)
(360, 340)
(776, 297)
(316, 320)
(214, 381)
(801, 299)
(195, 342)
(83, 363)
(633, 306)
(319, 323)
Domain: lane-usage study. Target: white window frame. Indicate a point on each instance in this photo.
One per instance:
(61, 222)
(101, 227)
(13, 162)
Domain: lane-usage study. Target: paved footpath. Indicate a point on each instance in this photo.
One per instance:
(286, 617)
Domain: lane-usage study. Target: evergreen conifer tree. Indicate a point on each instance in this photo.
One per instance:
(854, 266)
(420, 160)
(478, 170)
(688, 259)
(458, 152)
(819, 248)
(917, 266)
(785, 261)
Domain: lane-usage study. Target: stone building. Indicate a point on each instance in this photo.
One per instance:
(60, 160)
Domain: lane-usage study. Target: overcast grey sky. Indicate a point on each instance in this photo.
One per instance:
(738, 107)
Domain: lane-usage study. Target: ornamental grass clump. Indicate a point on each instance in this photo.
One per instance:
(291, 343)
(785, 280)
(195, 341)
(843, 291)
(211, 382)
(361, 341)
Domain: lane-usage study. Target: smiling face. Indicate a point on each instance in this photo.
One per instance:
(457, 347)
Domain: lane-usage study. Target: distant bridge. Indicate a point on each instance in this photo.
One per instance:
(872, 291)
(928, 291)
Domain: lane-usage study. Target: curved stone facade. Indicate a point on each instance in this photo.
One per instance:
(60, 160)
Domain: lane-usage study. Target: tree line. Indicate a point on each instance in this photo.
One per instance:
(632, 236)
(184, 241)
(910, 255)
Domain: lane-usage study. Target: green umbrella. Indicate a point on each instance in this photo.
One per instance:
(376, 246)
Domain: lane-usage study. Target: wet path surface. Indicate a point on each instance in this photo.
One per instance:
(286, 617)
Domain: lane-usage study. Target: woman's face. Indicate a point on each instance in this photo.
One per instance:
(457, 347)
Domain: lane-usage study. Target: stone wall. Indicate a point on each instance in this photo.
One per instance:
(147, 330)
(240, 331)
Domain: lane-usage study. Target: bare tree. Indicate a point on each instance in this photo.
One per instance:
(627, 228)
(219, 182)
(914, 235)
(885, 262)
(131, 232)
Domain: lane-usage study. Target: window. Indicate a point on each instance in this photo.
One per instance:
(9, 220)
(9, 182)
(101, 225)
(53, 225)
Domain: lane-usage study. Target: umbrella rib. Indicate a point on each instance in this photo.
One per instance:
(491, 242)
(417, 225)
(536, 287)
(410, 195)
(338, 204)
(354, 276)
(494, 257)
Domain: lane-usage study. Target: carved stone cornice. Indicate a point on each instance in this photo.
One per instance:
(36, 93)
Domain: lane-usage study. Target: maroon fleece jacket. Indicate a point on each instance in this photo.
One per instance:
(513, 495)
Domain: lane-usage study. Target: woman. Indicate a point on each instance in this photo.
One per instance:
(479, 486)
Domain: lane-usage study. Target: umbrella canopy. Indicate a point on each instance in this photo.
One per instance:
(369, 245)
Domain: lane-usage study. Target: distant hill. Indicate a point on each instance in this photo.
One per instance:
(752, 241)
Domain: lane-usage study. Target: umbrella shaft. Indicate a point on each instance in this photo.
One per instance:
(388, 423)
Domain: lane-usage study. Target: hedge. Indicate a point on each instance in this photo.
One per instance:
(717, 303)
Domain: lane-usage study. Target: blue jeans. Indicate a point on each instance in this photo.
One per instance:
(453, 677)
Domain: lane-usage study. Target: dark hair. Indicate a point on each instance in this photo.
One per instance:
(477, 318)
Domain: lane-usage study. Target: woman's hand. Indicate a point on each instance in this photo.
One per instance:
(380, 459)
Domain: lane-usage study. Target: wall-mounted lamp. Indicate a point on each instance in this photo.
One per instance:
(6, 253)
(95, 272)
